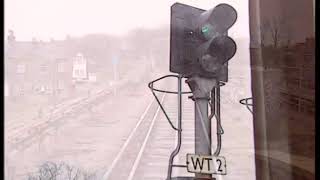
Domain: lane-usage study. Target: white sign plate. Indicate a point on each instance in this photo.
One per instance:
(206, 164)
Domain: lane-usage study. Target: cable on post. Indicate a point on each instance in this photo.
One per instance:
(215, 112)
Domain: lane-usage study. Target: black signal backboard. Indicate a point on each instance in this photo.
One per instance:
(184, 42)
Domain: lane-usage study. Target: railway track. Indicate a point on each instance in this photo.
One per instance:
(14, 128)
(145, 154)
(153, 165)
(25, 136)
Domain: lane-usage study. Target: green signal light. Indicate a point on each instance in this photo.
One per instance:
(205, 29)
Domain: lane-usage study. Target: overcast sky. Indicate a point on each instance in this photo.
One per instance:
(57, 18)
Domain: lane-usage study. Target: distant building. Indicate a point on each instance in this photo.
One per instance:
(79, 68)
(11, 37)
(6, 89)
(298, 91)
(290, 71)
(37, 69)
(92, 77)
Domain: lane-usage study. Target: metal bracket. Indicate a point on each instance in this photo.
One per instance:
(201, 87)
(150, 85)
(179, 128)
(215, 112)
(246, 103)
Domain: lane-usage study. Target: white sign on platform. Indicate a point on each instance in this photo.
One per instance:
(92, 77)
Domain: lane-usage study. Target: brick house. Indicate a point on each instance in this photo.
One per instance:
(37, 68)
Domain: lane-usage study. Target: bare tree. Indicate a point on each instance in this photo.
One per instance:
(72, 173)
(49, 170)
(278, 29)
(61, 171)
(89, 176)
(275, 29)
(287, 28)
(264, 32)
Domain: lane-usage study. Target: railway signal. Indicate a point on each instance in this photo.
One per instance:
(199, 41)
(200, 49)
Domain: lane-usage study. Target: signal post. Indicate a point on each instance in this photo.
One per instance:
(201, 88)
